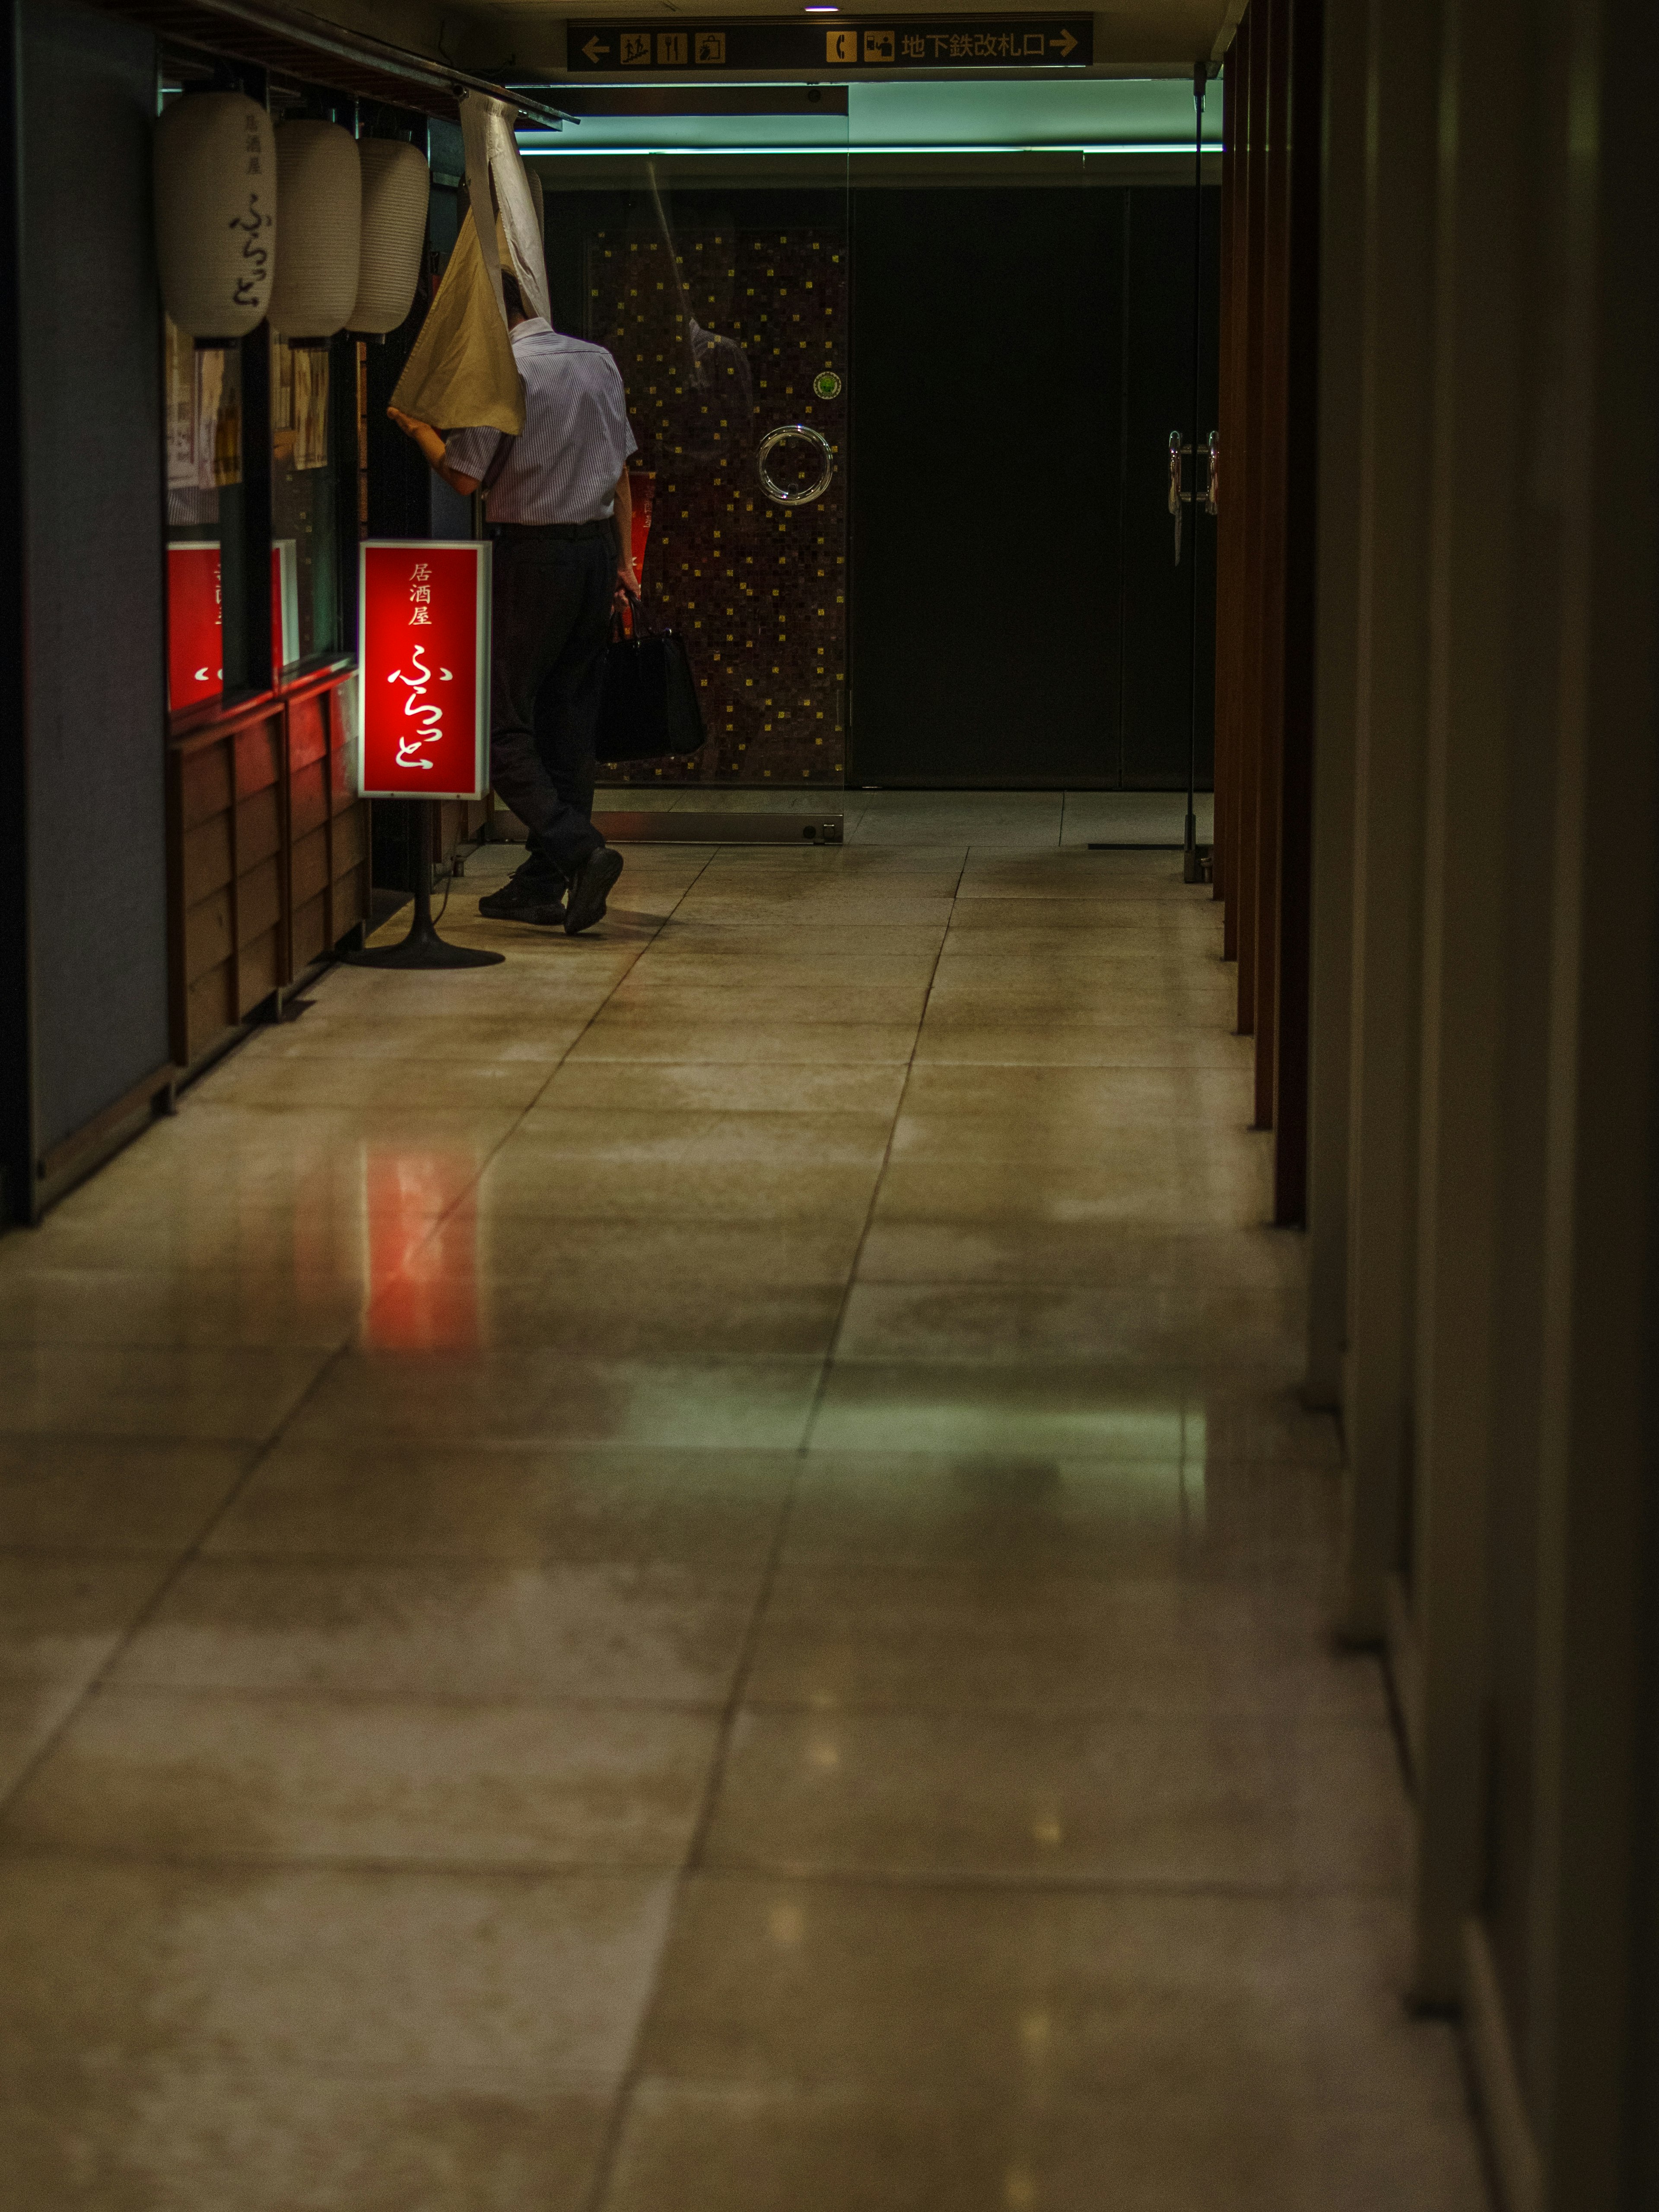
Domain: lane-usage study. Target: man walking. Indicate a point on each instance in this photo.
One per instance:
(561, 517)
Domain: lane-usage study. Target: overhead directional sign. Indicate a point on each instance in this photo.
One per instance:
(823, 44)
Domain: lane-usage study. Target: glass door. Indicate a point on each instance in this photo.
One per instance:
(710, 253)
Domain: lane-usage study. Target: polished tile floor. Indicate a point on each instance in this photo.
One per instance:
(1037, 819)
(685, 1576)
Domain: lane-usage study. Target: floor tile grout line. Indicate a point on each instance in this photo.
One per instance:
(977, 1881)
(439, 1220)
(839, 1325)
(1034, 1706)
(678, 901)
(693, 1862)
(233, 1056)
(691, 1859)
(505, 1445)
(605, 2164)
(496, 1150)
(186, 1559)
(622, 2101)
(1293, 1582)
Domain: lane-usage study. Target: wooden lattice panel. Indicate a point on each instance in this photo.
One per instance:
(269, 858)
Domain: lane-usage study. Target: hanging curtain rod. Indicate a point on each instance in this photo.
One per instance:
(308, 30)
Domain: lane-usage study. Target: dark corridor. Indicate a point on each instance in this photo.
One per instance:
(1018, 620)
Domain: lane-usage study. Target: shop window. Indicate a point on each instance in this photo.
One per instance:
(205, 528)
(266, 464)
(309, 503)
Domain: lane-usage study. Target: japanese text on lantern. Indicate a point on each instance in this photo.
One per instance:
(256, 251)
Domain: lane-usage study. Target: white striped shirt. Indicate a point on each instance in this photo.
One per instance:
(576, 438)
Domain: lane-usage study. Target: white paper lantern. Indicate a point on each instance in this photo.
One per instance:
(319, 190)
(396, 188)
(215, 213)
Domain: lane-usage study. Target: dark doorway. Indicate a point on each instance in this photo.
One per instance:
(1020, 356)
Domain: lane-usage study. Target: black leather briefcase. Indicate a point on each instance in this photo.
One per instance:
(651, 706)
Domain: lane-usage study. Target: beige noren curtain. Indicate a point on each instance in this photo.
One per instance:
(461, 375)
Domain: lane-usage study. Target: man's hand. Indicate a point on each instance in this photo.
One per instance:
(430, 440)
(431, 444)
(627, 596)
(628, 584)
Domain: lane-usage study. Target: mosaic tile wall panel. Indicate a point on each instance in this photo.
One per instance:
(711, 361)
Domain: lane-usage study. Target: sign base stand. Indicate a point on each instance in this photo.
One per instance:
(423, 947)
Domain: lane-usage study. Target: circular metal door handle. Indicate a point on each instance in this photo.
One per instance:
(769, 484)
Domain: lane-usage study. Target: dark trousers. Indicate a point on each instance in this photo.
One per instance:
(551, 623)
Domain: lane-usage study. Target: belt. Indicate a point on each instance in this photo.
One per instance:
(572, 530)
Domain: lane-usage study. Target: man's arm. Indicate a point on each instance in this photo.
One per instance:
(432, 449)
(625, 534)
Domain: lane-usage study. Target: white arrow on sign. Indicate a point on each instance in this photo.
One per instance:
(1066, 43)
(595, 47)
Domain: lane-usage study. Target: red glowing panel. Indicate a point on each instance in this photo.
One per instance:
(195, 625)
(423, 670)
(642, 489)
(196, 617)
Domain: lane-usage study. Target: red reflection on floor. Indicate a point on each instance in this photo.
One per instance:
(422, 1262)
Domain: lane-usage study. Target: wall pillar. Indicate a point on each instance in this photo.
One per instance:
(1390, 714)
(1341, 335)
(1482, 222)
(1591, 2040)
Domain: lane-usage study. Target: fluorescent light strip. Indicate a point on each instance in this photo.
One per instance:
(533, 143)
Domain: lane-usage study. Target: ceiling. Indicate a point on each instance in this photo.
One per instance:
(493, 36)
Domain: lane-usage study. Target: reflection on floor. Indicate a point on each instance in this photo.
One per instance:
(958, 819)
(683, 1576)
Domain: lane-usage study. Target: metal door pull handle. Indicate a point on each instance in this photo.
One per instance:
(781, 493)
(1207, 494)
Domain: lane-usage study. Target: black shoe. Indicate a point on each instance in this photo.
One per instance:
(535, 893)
(590, 887)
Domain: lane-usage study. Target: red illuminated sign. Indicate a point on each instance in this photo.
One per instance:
(423, 670)
(195, 647)
(196, 622)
